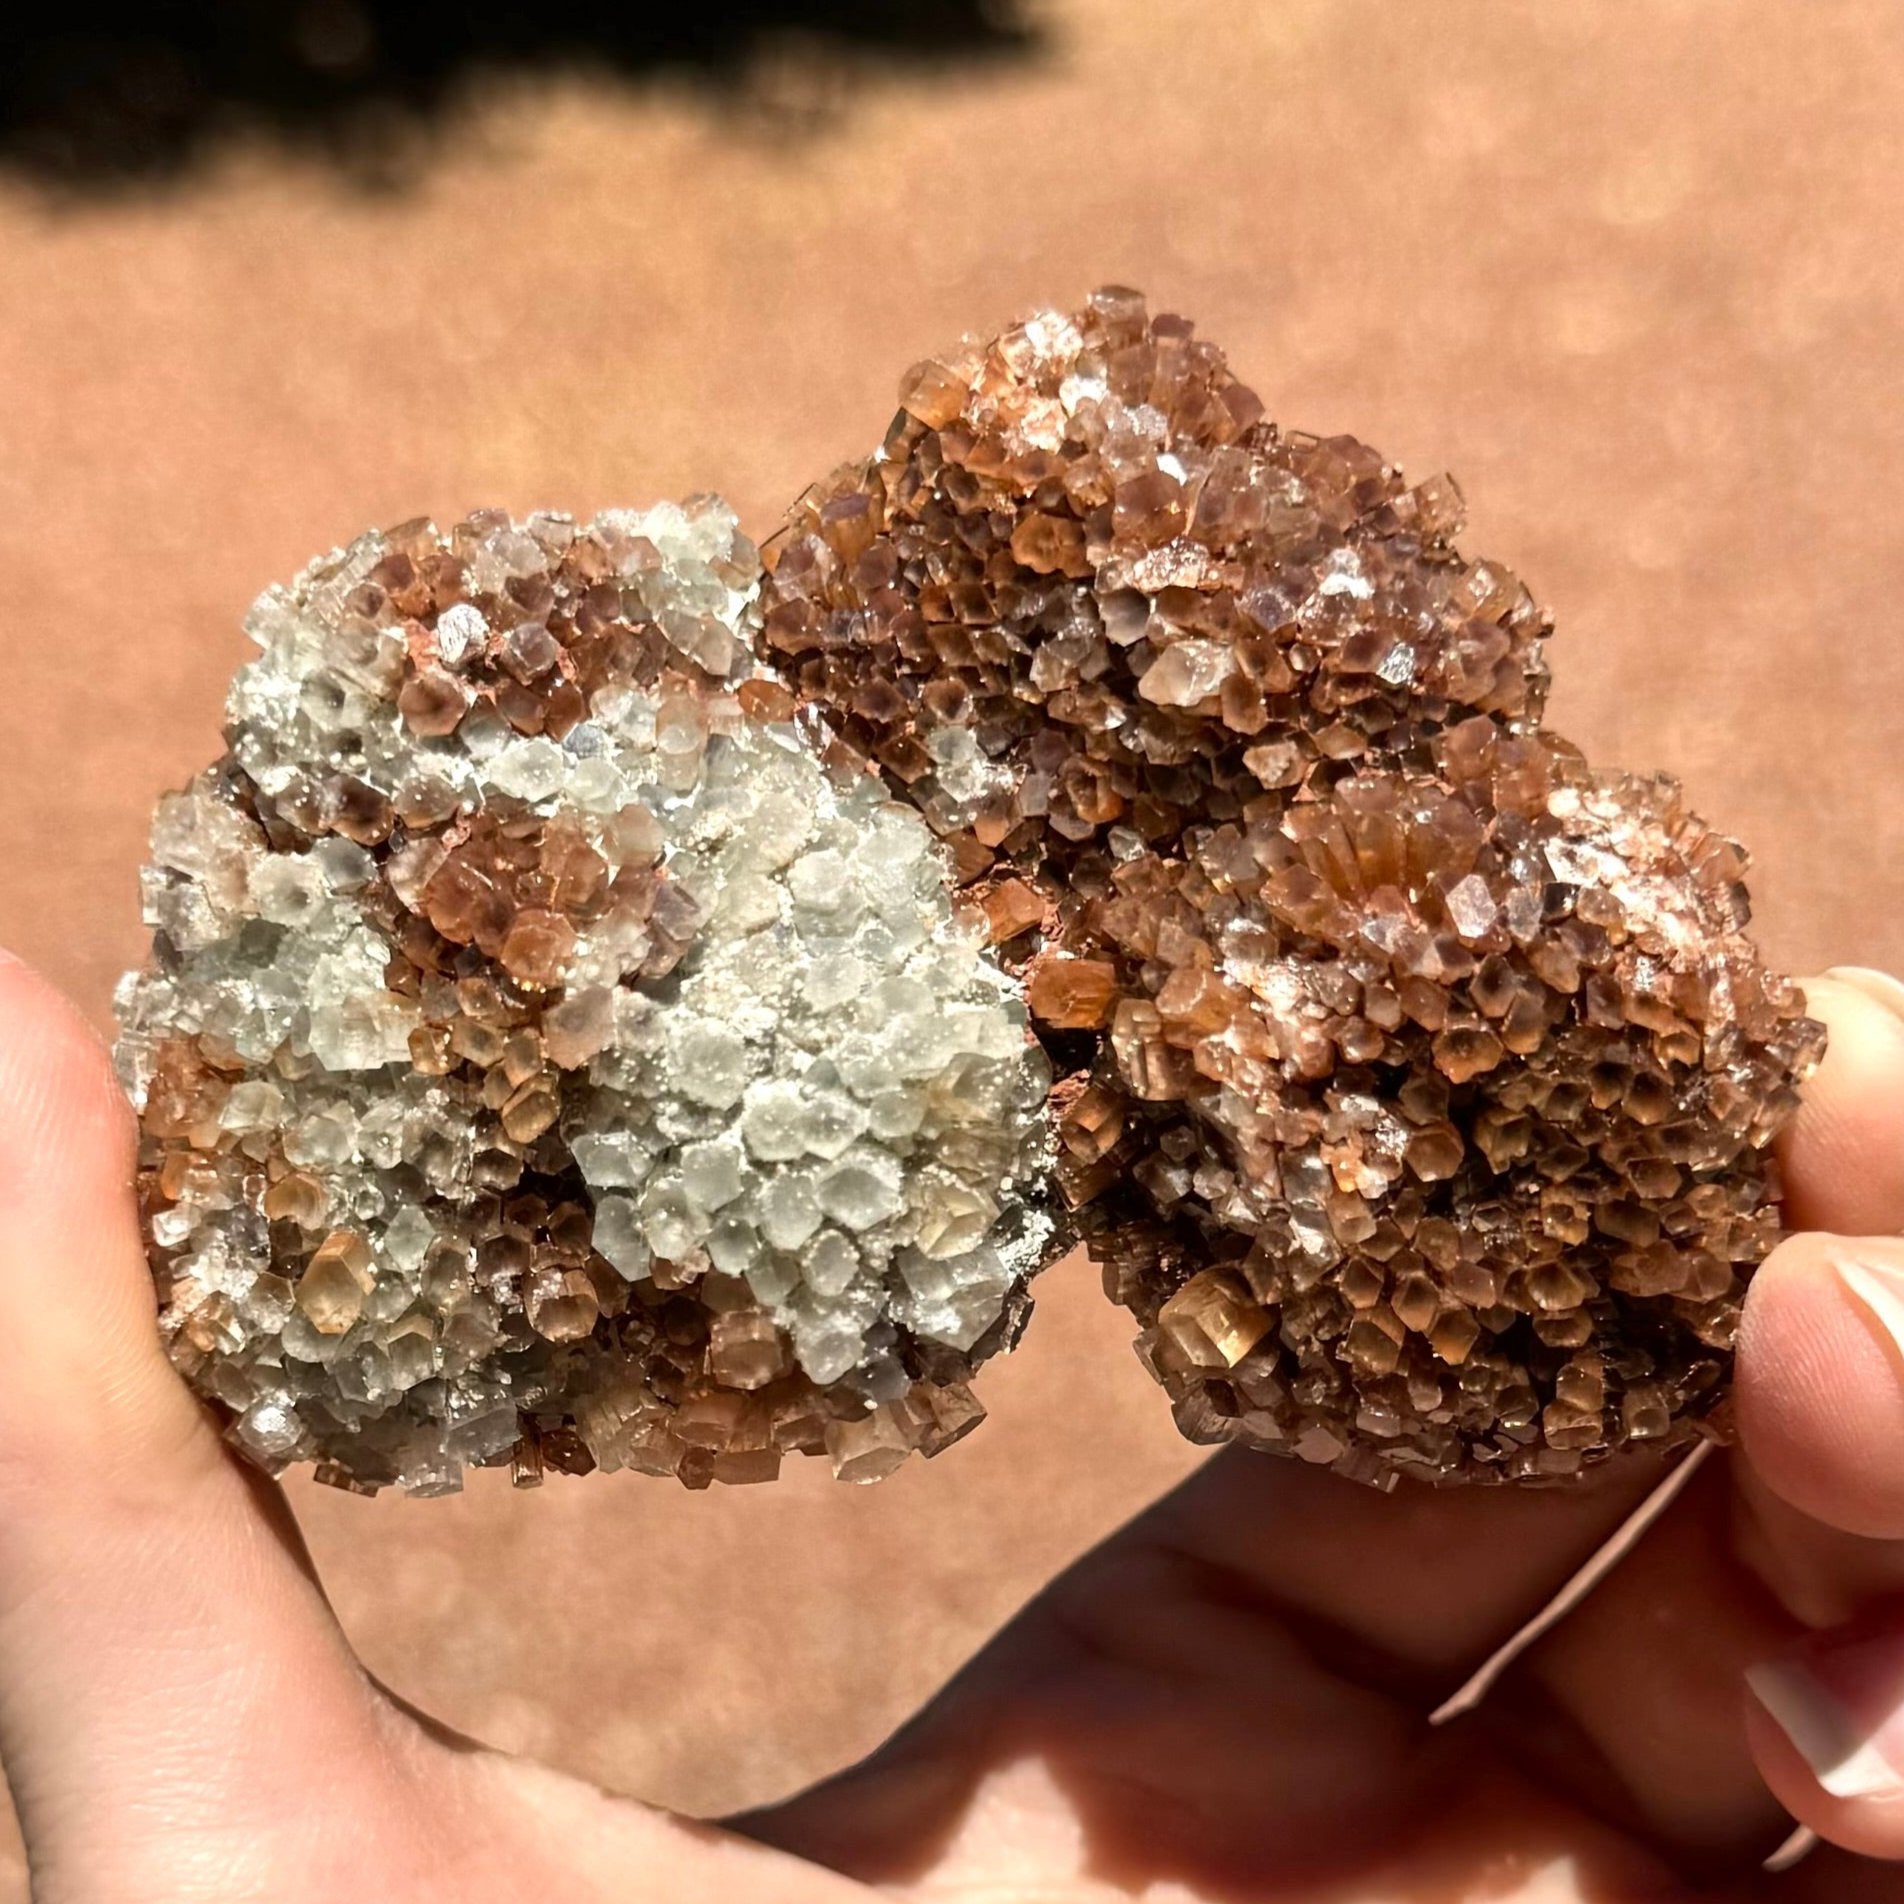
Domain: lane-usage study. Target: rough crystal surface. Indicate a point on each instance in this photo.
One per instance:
(543, 1059)
(1414, 1081)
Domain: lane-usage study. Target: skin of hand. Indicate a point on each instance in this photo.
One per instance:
(1228, 1700)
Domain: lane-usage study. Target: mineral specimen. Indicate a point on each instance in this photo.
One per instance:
(560, 1047)
(1414, 1081)
(543, 1059)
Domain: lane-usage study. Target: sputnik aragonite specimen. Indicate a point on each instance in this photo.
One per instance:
(561, 1047)
(1414, 1080)
(543, 1059)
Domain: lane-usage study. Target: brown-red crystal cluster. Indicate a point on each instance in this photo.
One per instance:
(1415, 1081)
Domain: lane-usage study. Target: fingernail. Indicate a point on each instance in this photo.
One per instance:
(1880, 987)
(1840, 1701)
(1878, 1289)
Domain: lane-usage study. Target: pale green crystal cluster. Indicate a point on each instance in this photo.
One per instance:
(544, 1058)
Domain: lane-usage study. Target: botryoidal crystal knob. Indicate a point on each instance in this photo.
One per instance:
(613, 1009)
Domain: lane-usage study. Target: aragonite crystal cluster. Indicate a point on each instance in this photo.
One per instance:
(613, 1009)
(1414, 1081)
(544, 1060)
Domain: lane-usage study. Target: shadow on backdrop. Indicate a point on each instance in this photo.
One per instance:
(99, 97)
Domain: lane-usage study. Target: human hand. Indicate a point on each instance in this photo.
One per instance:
(1227, 1700)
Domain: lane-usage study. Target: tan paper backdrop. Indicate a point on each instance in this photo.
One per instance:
(1630, 270)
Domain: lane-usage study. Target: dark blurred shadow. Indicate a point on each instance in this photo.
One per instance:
(100, 97)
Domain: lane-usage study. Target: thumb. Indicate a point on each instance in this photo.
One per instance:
(158, 1622)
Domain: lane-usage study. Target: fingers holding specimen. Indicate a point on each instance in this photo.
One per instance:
(156, 1622)
(1843, 1157)
(86, 1381)
(1820, 1389)
(1825, 1721)
(1820, 1380)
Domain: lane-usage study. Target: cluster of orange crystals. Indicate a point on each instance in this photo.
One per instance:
(1415, 1081)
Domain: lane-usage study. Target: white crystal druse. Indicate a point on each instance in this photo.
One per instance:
(545, 1058)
